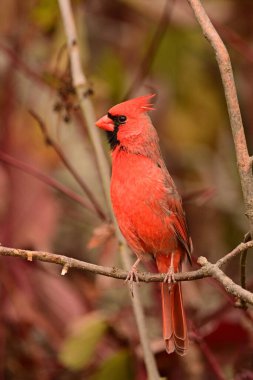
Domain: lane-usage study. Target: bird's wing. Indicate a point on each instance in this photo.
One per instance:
(181, 230)
(177, 219)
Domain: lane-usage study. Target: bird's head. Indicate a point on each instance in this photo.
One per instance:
(126, 120)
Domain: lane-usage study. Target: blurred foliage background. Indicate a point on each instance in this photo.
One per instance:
(81, 326)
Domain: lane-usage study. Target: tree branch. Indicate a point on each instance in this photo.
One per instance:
(207, 269)
(244, 162)
(236, 251)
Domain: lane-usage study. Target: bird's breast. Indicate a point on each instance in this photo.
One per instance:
(139, 195)
(135, 181)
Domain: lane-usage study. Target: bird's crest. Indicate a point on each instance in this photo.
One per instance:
(144, 102)
(140, 104)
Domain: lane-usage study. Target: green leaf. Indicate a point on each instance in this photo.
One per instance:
(118, 366)
(79, 347)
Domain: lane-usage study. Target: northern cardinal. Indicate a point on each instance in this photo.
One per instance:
(148, 207)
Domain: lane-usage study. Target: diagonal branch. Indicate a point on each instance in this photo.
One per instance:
(68, 165)
(244, 162)
(214, 271)
(238, 250)
(24, 167)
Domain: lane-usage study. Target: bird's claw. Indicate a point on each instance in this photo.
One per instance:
(170, 277)
(131, 278)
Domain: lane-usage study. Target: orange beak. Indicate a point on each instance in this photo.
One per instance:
(105, 123)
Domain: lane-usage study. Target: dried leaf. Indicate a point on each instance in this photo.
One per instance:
(101, 235)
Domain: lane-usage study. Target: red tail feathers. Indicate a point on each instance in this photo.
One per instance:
(174, 321)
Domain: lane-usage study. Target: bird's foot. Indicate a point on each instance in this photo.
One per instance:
(170, 276)
(133, 276)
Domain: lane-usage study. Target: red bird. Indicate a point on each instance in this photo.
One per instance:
(148, 207)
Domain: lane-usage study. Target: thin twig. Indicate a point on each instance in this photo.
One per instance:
(243, 259)
(239, 249)
(9, 160)
(81, 86)
(57, 148)
(244, 162)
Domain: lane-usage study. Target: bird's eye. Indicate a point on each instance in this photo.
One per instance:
(122, 119)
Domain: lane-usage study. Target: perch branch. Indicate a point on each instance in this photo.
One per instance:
(80, 84)
(244, 162)
(207, 269)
